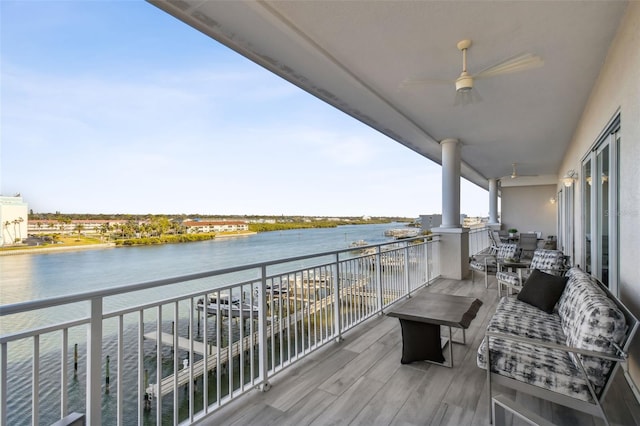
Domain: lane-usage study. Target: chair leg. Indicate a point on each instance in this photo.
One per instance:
(486, 279)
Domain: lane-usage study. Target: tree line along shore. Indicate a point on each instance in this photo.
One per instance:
(135, 230)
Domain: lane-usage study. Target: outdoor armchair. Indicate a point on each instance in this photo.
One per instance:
(488, 263)
(549, 261)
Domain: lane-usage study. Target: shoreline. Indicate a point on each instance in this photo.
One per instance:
(48, 249)
(53, 248)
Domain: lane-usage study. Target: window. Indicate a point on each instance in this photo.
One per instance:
(600, 207)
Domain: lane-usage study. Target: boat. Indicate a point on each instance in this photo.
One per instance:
(228, 306)
(359, 243)
(356, 246)
(399, 234)
(277, 289)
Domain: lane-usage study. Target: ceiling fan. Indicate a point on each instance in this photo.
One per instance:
(515, 174)
(465, 92)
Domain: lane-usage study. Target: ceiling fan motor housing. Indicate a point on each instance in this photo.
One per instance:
(464, 83)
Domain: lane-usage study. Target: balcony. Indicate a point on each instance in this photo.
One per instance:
(553, 120)
(308, 331)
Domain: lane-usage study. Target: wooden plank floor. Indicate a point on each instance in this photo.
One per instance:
(360, 381)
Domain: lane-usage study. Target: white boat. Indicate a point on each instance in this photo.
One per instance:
(277, 289)
(227, 306)
(358, 243)
(399, 234)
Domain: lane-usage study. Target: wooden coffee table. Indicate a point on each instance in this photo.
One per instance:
(421, 317)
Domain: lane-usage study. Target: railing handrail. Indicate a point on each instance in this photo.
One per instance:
(25, 306)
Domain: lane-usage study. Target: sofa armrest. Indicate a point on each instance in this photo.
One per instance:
(541, 343)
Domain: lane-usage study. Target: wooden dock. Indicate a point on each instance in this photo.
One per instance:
(183, 342)
(274, 326)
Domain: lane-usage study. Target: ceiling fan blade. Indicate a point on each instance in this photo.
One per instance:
(413, 82)
(517, 63)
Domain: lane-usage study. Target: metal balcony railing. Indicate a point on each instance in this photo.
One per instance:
(174, 350)
(478, 240)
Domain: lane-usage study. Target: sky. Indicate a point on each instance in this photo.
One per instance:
(117, 107)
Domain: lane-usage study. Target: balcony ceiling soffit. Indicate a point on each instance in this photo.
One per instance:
(355, 54)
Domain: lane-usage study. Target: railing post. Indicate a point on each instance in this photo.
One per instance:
(64, 369)
(337, 299)
(429, 243)
(379, 280)
(406, 269)
(263, 354)
(94, 359)
(3, 384)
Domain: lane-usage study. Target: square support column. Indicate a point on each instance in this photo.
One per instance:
(454, 252)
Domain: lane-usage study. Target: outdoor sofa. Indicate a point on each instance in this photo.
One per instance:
(566, 352)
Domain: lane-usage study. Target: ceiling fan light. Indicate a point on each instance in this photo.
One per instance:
(464, 83)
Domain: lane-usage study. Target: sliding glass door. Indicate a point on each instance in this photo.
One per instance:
(600, 207)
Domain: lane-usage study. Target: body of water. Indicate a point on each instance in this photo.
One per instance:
(43, 275)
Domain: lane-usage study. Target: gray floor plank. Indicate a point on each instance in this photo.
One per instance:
(420, 406)
(353, 370)
(257, 415)
(351, 402)
(373, 335)
(306, 410)
(389, 399)
(290, 392)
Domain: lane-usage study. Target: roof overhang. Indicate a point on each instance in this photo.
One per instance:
(355, 55)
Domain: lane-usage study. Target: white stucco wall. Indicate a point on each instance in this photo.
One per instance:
(528, 208)
(12, 208)
(617, 89)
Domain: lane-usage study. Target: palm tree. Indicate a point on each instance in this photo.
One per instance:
(104, 229)
(79, 228)
(6, 229)
(18, 234)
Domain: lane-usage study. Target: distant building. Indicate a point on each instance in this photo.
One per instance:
(14, 216)
(215, 226)
(89, 226)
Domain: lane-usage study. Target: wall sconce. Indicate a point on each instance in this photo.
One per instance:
(552, 200)
(605, 179)
(569, 178)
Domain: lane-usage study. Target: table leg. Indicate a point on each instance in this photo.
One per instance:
(421, 342)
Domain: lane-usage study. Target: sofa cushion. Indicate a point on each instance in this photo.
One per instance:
(542, 290)
(591, 321)
(477, 265)
(510, 278)
(548, 260)
(546, 368)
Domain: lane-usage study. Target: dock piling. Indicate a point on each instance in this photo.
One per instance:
(147, 397)
(75, 360)
(107, 378)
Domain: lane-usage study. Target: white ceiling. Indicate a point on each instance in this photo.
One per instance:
(355, 55)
